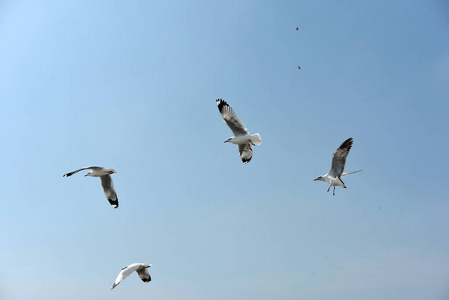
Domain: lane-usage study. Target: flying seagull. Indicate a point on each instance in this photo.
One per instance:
(106, 181)
(333, 177)
(141, 269)
(241, 135)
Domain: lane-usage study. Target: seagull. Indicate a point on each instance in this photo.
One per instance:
(106, 181)
(141, 269)
(333, 177)
(242, 137)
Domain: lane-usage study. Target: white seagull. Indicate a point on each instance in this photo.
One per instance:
(106, 181)
(141, 269)
(333, 177)
(242, 137)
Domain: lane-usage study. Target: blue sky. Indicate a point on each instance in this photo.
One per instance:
(132, 85)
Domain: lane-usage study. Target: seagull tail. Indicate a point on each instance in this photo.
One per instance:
(344, 174)
(255, 138)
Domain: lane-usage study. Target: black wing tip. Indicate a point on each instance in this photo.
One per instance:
(114, 204)
(68, 174)
(347, 144)
(221, 103)
(246, 160)
(146, 280)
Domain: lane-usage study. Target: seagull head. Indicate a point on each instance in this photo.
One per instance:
(147, 266)
(320, 178)
(89, 174)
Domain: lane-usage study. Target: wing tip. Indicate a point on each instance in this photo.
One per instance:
(113, 202)
(246, 160)
(347, 144)
(221, 103)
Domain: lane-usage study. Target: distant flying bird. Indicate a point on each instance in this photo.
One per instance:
(242, 137)
(141, 269)
(106, 181)
(299, 67)
(333, 177)
(296, 28)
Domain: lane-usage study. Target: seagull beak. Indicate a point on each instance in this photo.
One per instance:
(315, 179)
(226, 141)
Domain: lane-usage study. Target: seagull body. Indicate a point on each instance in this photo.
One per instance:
(106, 181)
(141, 269)
(244, 139)
(241, 135)
(333, 177)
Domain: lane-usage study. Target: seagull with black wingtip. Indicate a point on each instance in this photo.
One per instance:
(333, 177)
(241, 137)
(106, 181)
(141, 270)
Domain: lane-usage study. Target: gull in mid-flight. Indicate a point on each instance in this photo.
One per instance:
(141, 269)
(333, 177)
(241, 135)
(106, 181)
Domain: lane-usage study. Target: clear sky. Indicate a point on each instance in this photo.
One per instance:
(132, 85)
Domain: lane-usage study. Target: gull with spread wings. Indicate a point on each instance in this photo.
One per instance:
(241, 135)
(141, 269)
(106, 181)
(333, 177)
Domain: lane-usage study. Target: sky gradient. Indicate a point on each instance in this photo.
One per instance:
(132, 85)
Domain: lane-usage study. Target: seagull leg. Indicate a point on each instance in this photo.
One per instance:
(334, 191)
(329, 188)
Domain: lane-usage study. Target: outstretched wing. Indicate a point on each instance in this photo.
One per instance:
(246, 152)
(125, 273)
(109, 191)
(344, 174)
(231, 119)
(339, 158)
(74, 172)
(144, 275)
